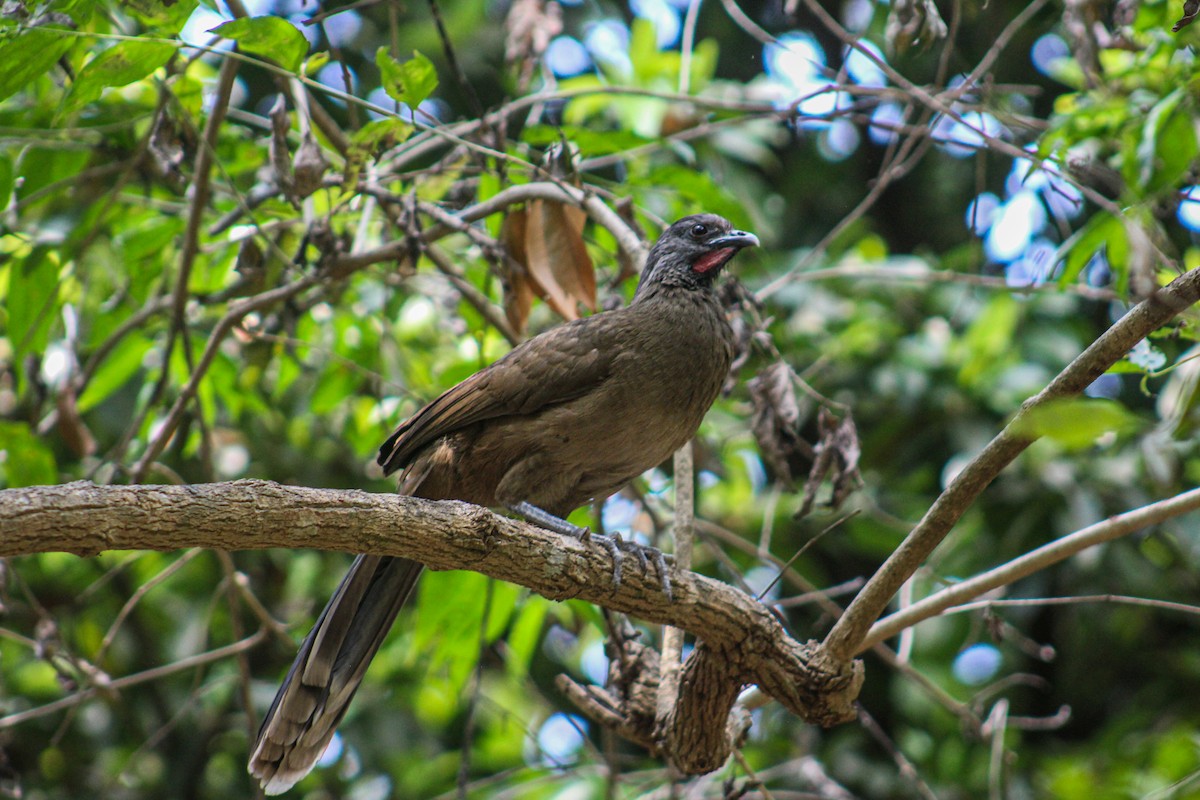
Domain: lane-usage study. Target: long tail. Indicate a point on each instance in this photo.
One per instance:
(328, 669)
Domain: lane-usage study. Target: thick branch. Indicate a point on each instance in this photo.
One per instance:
(849, 633)
(746, 643)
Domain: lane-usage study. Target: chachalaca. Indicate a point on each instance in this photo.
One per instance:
(570, 415)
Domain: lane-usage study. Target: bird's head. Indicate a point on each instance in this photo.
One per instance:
(692, 252)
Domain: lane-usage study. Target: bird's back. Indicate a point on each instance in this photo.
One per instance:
(663, 362)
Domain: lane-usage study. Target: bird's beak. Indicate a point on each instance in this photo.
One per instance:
(735, 239)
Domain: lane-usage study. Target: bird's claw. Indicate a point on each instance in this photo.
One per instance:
(645, 554)
(613, 545)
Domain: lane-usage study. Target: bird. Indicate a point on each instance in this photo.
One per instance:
(566, 417)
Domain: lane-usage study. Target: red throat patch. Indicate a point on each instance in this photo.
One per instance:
(710, 261)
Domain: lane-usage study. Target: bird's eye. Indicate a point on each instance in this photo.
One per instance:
(699, 230)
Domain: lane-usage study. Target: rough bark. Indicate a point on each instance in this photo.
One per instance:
(742, 642)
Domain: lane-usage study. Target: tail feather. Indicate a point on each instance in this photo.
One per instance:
(329, 668)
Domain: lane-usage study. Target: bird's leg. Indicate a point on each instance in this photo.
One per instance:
(544, 519)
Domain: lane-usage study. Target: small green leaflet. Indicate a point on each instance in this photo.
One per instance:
(410, 82)
(269, 37)
(120, 65)
(1076, 422)
(27, 56)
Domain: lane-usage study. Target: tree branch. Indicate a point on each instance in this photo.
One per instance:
(742, 642)
(1040, 558)
(849, 633)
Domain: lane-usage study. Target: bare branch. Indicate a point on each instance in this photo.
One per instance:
(1031, 562)
(849, 633)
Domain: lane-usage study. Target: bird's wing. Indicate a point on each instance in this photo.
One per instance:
(559, 365)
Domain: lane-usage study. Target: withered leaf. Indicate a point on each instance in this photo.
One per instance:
(557, 258)
(519, 290)
(1191, 9)
(281, 123)
(836, 457)
(776, 423)
(71, 427)
(308, 166)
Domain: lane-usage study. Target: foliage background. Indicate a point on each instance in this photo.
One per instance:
(921, 266)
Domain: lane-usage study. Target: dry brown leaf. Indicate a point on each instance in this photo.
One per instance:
(308, 166)
(776, 423)
(1191, 9)
(281, 123)
(837, 454)
(557, 258)
(518, 289)
(71, 427)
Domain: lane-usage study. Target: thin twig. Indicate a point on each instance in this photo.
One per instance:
(135, 679)
(1042, 557)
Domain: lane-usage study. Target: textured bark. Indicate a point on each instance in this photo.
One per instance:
(742, 642)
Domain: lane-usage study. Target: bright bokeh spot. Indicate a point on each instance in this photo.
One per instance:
(982, 212)
(963, 138)
(559, 739)
(797, 61)
(839, 141)
(978, 664)
(1188, 212)
(1049, 53)
(857, 14)
(342, 29)
(593, 663)
(1035, 266)
(862, 69)
(566, 56)
(1015, 225)
(664, 16)
(196, 29)
(884, 120)
(608, 43)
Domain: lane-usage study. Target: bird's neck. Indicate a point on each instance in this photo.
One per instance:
(672, 287)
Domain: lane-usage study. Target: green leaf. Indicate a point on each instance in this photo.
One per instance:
(525, 636)
(32, 300)
(704, 64)
(696, 190)
(121, 364)
(28, 55)
(410, 82)
(373, 138)
(449, 615)
(7, 178)
(1174, 142)
(119, 65)
(1125, 366)
(1103, 230)
(1076, 422)
(380, 135)
(25, 460)
(643, 49)
(164, 19)
(268, 37)
(989, 337)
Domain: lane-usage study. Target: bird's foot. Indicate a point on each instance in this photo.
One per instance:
(544, 519)
(645, 554)
(616, 546)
